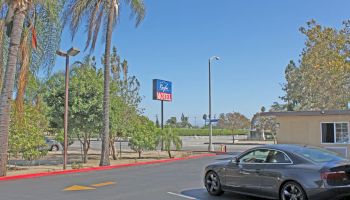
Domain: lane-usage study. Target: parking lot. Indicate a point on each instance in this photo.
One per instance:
(177, 180)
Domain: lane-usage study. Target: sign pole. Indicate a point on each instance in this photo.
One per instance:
(162, 114)
(162, 124)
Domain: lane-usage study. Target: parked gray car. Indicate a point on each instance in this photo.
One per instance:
(285, 172)
(53, 145)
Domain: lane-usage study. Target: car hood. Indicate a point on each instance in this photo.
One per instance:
(218, 164)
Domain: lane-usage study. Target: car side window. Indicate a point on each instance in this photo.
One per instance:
(277, 157)
(256, 156)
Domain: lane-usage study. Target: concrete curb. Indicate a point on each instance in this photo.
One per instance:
(83, 170)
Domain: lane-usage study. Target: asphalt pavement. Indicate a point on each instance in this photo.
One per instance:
(179, 180)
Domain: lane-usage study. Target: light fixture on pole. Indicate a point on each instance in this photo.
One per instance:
(210, 146)
(71, 52)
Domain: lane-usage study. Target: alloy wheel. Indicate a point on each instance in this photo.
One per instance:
(212, 183)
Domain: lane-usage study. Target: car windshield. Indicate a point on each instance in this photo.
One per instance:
(319, 155)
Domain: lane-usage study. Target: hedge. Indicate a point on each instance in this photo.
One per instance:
(205, 132)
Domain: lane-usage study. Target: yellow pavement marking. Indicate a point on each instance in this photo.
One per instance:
(103, 184)
(78, 188)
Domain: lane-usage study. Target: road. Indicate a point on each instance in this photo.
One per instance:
(179, 180)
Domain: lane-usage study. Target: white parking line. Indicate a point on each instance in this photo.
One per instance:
(184, 196)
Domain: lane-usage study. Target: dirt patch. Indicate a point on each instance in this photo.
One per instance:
(53, 161)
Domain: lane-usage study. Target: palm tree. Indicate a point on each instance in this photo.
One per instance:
(98, 13)
(169, 138)
(19, 9)
(16, 14)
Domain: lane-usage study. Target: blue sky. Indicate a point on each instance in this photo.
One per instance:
(255, 40)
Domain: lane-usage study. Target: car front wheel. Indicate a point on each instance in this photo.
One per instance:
(292, 191)
(54, 148)
(212, 184)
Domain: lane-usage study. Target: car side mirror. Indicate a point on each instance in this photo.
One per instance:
(235, 160)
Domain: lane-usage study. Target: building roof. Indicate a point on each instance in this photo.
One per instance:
(307, 113)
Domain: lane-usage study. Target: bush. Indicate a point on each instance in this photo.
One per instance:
(26, 133)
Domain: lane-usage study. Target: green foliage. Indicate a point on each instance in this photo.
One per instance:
(205, 132)
(46, 19)
(125, 98)
(27, 133)
(95, 14)
(172, 122)
(86, 95)
(59, 137)
(85, 99)
(184, 122)
(85, 102)
(144, 136)
(169, 138)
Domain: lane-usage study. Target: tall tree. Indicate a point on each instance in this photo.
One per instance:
(85, 107)
(233, 121)
(101, 13)
(321, 81)
(184, 122)
(125, 100)
(19, 8)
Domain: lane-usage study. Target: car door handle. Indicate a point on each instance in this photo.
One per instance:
(249, 171)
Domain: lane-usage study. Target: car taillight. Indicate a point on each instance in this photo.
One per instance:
(340, 175)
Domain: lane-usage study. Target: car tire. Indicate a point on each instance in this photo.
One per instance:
(213, 184)
(292, 190)
(55, 148)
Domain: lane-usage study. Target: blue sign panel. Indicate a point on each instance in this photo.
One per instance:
(162, 90)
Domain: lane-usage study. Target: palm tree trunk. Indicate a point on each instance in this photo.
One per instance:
(114, 155)
(105, 136)
(169, 153)
(2, 33)
(7, 92)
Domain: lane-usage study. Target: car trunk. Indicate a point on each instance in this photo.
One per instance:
(336, 173)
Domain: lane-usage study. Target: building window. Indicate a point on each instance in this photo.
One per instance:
(335, 133)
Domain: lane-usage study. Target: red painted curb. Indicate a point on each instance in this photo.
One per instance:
(27, 176)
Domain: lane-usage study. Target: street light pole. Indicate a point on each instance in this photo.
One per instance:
(71, 52)
(210, 147)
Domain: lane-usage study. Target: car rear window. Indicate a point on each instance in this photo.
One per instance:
(319, 155)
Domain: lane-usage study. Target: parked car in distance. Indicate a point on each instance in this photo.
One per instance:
(285, 172)
(53, 145)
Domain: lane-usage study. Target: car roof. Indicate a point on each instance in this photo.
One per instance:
(285, 147)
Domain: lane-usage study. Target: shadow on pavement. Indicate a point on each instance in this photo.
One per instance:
(201, 194)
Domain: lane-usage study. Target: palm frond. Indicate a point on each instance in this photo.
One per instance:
(97, 29)
(77, 10)
(138, 10)
(92, 22)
